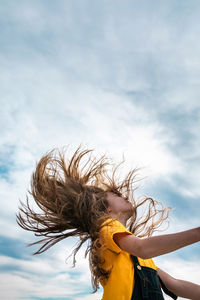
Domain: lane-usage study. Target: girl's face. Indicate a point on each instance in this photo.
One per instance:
(119, 205)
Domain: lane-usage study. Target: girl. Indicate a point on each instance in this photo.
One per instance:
(89, 203)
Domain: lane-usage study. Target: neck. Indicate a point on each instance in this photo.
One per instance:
(122, 219)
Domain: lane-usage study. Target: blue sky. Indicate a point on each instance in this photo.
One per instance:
(119, 77)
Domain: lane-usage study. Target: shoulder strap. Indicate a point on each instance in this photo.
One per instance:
(135, 259)
(169, 293)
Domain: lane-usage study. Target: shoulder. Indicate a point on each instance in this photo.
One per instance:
(110, 232)
(112, 226)
(118, 237)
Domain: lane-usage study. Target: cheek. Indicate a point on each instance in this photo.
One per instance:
(117, 206)
(113, 206)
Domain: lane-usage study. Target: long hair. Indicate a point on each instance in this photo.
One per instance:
(72, 202)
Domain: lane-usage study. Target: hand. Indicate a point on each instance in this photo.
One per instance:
(198, 229)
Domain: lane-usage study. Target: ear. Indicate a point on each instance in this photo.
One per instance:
(108, 209)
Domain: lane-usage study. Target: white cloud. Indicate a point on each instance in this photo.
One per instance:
(30, 286)
(96, 296)
(54, 279)
(113, 77)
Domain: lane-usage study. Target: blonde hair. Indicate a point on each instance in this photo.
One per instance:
(73, 203)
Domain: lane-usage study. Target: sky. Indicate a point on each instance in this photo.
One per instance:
(120, 77)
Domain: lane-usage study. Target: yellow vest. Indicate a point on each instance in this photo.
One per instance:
(120, 283)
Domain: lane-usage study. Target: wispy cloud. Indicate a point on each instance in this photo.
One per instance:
(120, 78)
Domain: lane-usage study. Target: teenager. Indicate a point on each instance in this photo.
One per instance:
(88, 201)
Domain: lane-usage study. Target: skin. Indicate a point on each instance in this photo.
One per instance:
(121, 209)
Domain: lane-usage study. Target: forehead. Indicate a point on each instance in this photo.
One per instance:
(111, 195)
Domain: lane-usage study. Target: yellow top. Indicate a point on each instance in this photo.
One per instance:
(120, 283)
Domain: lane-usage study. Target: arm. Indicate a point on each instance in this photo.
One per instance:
(162, 244)
(156, 245)
(179, 287)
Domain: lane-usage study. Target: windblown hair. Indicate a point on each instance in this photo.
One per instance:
(73, 202)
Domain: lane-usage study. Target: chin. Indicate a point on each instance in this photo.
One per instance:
(131, 211)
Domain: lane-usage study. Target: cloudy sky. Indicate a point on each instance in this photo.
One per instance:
(119, 77)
